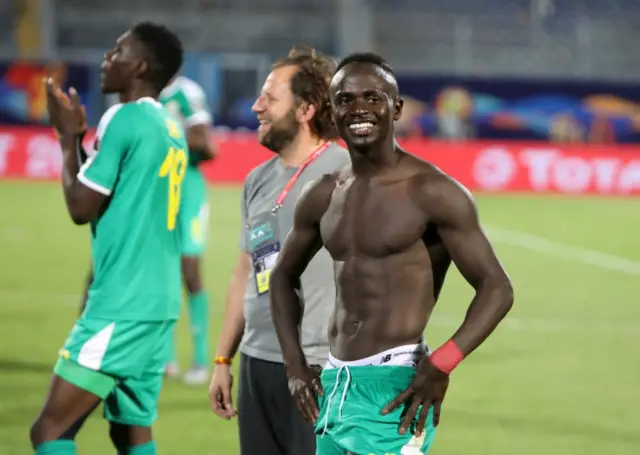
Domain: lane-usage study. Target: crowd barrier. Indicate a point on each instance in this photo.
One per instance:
(485, 166)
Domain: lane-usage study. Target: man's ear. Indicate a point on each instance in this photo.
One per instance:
(305, 113)
(397, 108)
(140, 69)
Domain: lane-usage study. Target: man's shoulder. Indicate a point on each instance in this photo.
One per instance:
(334, 164)
(315, 196)
(109, 117)
(122, 113)
(260, 172)
(337, 151)
(333, 159)
(117, 120)
(423, 172)
(433, 188)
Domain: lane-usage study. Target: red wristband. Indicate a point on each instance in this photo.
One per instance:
(447, 357)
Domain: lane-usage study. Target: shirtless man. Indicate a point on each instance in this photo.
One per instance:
(393, 224)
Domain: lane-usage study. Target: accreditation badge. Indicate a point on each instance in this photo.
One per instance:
(264, 245)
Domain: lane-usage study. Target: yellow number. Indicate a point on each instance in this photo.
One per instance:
(173, 128)
(173, 167)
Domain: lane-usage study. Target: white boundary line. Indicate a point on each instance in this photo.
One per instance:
(547, 326)
(564, 251)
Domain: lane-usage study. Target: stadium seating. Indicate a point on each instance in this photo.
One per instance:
(582, 38)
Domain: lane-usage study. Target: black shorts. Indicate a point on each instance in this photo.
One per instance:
(268, 417)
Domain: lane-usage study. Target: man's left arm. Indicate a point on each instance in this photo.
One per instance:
(451, 209)
(454, 212)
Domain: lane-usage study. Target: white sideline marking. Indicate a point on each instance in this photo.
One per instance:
(564, 251)
(515, 324)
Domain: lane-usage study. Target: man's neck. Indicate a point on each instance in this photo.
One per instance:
(374, 159)
(300, 149)
(136, 93)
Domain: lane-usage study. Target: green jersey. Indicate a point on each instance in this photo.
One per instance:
(139, 161)
(186, 102)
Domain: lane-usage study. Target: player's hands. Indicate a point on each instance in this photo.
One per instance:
(220, 392)
(305, 386)
(67, 116)
(428, 388)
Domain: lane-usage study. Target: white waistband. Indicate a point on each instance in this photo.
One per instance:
(408, 355)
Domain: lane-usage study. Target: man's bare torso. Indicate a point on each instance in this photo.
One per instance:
(389, 261)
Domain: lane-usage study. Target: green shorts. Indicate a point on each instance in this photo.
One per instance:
(350, 418)
(121, 362)
(193, 217)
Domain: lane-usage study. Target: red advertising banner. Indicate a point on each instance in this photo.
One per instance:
(33, 153)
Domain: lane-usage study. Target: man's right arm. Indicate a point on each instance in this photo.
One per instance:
(301, 245)
(233, 322)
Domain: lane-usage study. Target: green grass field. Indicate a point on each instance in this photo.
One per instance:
(560, 376)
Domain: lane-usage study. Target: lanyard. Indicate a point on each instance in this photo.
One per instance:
(294, 179)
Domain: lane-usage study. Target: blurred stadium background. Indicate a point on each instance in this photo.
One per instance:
(533, 104)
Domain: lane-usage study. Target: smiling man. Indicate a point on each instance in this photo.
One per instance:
(392, 224)
(296, 125)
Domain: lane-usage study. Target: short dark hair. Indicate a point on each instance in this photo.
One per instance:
(310, 84)
(366, 57)
(164, 52)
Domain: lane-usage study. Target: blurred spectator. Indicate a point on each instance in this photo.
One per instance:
(454, 107)
(602, 131)
(413, 109)
(542, 9)
(565, 128)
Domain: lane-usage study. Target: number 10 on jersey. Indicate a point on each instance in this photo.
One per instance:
(173, 167)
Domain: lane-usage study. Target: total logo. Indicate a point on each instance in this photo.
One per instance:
(549, 169)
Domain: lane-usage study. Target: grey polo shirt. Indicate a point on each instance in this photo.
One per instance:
(261, 188)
